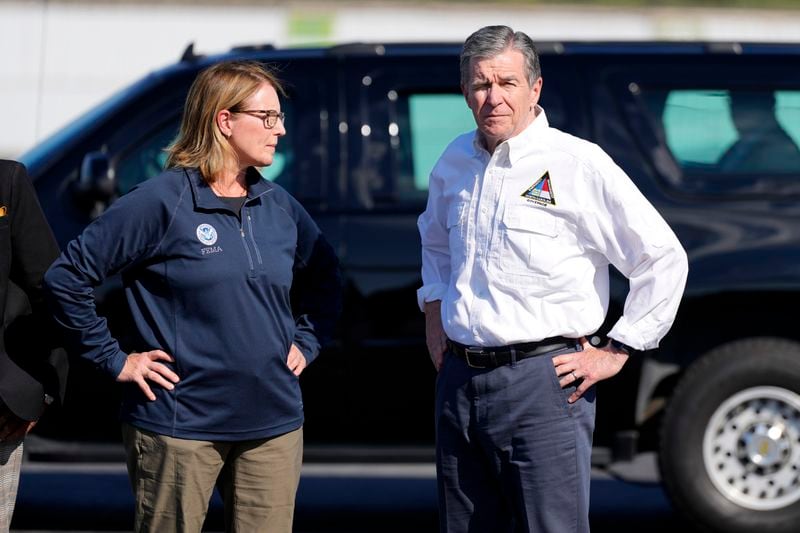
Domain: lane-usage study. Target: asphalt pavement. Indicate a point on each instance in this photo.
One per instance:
(351, 498)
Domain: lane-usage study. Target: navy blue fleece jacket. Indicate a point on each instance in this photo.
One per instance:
(212, 290)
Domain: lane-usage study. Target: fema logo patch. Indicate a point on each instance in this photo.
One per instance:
(206, 234)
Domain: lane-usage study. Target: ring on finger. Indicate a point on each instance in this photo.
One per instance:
(574, 377)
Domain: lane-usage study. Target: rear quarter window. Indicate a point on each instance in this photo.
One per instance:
(730, 140)
(734, 132)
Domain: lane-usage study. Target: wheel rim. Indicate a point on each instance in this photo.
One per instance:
(751, 448)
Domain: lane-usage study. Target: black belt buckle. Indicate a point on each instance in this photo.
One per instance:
(468, 351)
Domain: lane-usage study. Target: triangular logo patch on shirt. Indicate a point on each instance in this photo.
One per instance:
(541, 192)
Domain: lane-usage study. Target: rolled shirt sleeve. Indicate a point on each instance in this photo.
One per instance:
(432, 224)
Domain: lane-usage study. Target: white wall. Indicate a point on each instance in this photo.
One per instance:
(59, 59)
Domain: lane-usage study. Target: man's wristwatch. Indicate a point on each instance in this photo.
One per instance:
(621, 346)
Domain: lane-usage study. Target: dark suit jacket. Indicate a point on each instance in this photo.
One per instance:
(30, 366)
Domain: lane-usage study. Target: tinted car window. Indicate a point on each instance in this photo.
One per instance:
(147, 159)
(722, 138)
(733, 132)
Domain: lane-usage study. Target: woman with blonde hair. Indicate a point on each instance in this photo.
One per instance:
(211, 257)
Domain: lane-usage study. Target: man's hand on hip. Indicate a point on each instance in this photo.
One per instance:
(434, 332)
(591, 365)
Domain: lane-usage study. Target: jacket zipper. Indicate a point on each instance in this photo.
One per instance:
(246, 248)
(253, 239)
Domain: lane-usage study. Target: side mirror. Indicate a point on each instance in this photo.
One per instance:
(97, 183)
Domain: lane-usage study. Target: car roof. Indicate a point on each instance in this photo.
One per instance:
(359, 49)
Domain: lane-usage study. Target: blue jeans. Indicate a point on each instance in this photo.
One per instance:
(511, 454)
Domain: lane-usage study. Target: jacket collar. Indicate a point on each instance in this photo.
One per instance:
(205, 198)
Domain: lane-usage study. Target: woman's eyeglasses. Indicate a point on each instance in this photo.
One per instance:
(269, 116)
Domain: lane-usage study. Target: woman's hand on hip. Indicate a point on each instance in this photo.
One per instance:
(296, 361)
(143, 367)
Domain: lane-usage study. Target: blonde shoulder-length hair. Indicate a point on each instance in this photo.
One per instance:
(200, 142)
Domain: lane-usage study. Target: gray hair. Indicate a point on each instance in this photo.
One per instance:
(491, 41)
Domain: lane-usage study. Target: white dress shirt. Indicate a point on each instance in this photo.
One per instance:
(514, 259)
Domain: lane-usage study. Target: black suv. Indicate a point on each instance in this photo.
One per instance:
(709, 132)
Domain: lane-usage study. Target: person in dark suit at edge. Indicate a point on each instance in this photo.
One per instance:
(32, 373)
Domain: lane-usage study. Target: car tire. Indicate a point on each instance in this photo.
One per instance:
(730, 441)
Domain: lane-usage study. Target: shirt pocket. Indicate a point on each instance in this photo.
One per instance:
(530, 241)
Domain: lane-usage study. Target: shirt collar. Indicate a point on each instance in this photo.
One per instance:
(518, 144)
(205, 198)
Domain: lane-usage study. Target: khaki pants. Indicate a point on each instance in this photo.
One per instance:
(173, 480)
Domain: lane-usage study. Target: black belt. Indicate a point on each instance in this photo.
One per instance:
(494, 356)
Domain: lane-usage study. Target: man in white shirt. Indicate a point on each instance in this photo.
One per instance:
(521, 224)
